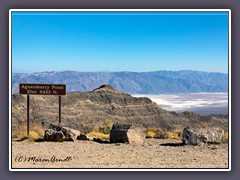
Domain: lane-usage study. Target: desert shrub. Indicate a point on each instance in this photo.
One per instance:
(198, 125)
(105, 127)
(32, 136)
(39, 129)
(99, 135)
(225, 137)
(179, 132)
(151, 129)
(20, 132)
(150, 134)
(159, 133)
(85, 129)
(154, 133)
(170, 135)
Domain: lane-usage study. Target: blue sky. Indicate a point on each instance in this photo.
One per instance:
(119, 41)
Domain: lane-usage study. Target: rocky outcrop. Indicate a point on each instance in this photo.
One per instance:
(202, 135)
(132, 134)
(106, 87)
(84, 111)
(60, 133)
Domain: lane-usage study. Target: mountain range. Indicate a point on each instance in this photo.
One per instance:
(155, 82)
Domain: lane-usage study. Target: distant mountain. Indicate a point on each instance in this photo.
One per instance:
(131, 82)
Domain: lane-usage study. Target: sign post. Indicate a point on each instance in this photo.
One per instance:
(28, 115)
(42, 89)
(60, 104)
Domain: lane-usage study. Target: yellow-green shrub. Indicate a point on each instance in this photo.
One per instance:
(36, 132)
(154, 133)
(225, 137)
(99, 135)
(171, 135)
(150, 134)
(159, 133)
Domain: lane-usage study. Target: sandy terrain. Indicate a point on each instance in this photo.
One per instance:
(155, 153)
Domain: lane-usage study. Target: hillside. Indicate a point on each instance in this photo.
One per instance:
(103, 106)
(131, 82)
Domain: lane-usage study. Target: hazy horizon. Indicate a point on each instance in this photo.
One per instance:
(108, 71)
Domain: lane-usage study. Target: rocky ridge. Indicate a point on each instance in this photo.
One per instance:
(85, 110)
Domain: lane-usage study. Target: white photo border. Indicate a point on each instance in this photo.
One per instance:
(119, 10)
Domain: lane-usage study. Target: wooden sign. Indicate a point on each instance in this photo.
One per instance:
(42, 89)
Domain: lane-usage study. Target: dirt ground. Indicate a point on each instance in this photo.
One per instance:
(154, 153)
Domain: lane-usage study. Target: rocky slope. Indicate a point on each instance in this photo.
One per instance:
(104, 105)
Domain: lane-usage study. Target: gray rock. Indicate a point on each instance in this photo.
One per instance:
(55, 127)
(202, 135)
(132, 134)
(84, 137)
(68, 133)
(52, 135)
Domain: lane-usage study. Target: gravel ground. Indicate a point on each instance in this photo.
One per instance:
(155, 153)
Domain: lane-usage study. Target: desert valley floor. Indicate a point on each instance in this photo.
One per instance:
(154, 153)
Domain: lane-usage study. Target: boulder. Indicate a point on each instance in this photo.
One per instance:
(125, 133)
(202, 135)
(68, 133)
(84, 137)
(52, 135)
(55, 127)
